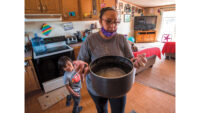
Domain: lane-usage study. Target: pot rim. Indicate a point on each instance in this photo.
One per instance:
(111, 77)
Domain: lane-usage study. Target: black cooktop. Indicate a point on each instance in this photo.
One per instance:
(54, 39)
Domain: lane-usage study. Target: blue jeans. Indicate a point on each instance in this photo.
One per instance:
(76, 101)
(117, 104)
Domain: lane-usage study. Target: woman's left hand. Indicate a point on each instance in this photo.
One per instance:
(82, 68)
(140, 60)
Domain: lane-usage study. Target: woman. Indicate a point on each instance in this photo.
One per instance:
(103, 43)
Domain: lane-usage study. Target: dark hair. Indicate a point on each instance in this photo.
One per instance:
(62, 62)
(103, 10)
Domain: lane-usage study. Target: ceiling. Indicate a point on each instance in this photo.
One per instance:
(151, 3)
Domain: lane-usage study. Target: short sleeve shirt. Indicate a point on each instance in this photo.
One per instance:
(73, 79)
(95, 46)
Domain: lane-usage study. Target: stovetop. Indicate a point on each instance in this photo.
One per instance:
(53, 49)
(54, 45)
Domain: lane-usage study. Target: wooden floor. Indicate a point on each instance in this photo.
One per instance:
(141, 98)
(161, 76)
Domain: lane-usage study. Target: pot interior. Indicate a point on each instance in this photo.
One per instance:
(111, 66)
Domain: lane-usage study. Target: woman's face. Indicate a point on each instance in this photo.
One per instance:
(109, 21)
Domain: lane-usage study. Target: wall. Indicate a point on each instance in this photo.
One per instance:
(58, 28)
(126, 27)
(153, 11)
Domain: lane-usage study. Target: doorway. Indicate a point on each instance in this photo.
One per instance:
(168, 27)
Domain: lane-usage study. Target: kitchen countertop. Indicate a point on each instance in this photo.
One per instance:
(28, 55)
(77, 44)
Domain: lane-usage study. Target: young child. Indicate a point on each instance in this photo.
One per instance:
(134, 48)
(72, 80)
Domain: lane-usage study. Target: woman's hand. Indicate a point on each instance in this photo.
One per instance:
(140, 60)
(82, 68)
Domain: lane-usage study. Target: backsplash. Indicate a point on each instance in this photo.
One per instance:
(58, 28)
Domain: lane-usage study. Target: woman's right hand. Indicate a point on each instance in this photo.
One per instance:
(82, 68)
(140, 60)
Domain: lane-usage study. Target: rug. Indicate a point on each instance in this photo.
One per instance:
(162, 75)
(49, 99)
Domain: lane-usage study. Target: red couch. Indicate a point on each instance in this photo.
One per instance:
(151, 54)
(169, 49)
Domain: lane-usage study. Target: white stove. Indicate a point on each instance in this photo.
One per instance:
(46, 63)
(54, 45)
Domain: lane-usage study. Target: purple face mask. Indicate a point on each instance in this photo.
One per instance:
(106, 33)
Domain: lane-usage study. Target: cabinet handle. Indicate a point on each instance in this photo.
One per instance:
(26, 63)
(65, 15)
(44, 8)
(39, 8)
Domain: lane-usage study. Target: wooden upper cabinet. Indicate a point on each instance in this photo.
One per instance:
(86, 8)
(32, 6)
(51, 6)
(109, 3)
(43, 6)
(70, 9)
(89, 9)
(96, 9)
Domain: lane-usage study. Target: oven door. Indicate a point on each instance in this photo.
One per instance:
(50, 77)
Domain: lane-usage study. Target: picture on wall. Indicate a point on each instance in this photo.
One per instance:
(132, 8)
(132, 14)
(136, 9)
(68, 26)
(120, 5)
(132, 11)
(127, 17)
(119, 15)
(127, 8)
(139, 10)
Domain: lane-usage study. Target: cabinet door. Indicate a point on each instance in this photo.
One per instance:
(69, 6)
(140, 38)
(51, 6)
(109, 3)
(31, 80)
(147, 38)
(33, 6)
(86, 8)
(76, 51)
(95, 9)
(30, 83)
(151, 36)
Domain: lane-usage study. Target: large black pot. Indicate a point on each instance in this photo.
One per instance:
(112, 87)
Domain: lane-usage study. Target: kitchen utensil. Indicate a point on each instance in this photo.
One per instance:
(38, 44)
(112, 87)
